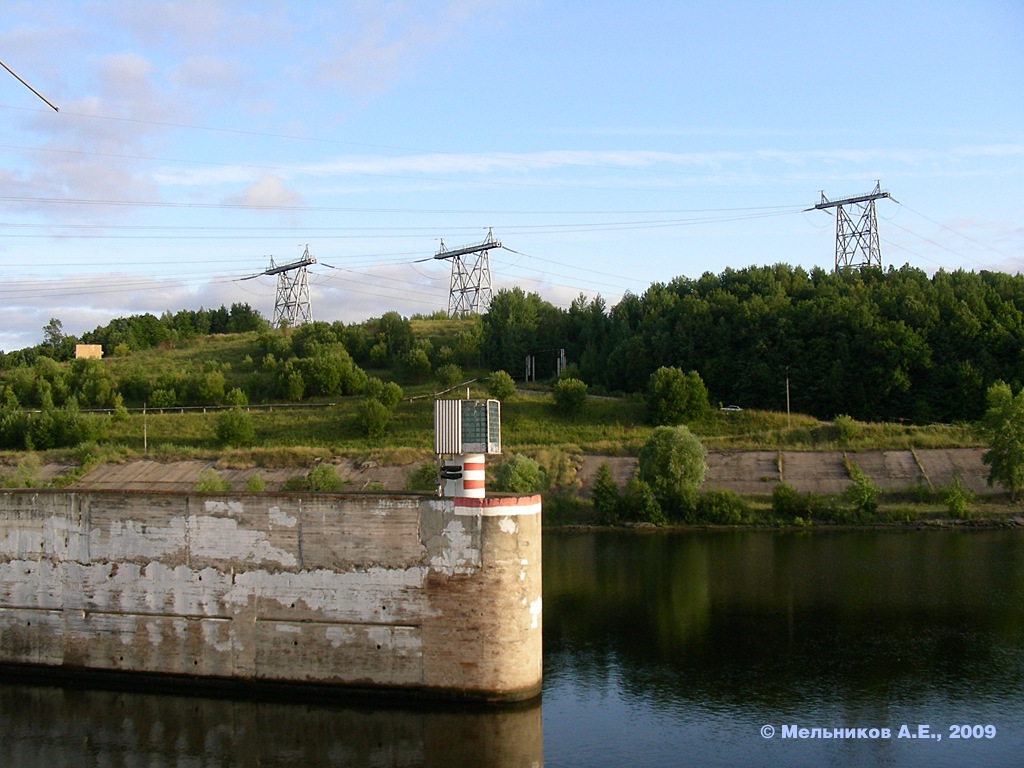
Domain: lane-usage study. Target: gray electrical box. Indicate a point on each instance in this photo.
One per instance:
(467, 426)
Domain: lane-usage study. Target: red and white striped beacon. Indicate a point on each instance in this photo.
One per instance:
(465, 431)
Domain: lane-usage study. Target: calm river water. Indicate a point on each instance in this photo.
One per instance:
(661, 649)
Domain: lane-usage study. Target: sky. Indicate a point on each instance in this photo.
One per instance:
(607, 145)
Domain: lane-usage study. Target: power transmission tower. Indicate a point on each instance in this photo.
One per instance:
(470, 291)
(856, 235)
(291, 307)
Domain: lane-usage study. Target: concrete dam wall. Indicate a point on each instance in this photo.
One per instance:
(385, 592)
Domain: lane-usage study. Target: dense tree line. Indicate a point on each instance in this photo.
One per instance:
(875, 344)
(312, 360)
(138, 332)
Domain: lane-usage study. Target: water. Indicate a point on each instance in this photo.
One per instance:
(672, 649)
(661, 649)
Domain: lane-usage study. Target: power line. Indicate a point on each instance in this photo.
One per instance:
(955, 232)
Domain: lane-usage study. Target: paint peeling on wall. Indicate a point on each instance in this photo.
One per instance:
(333, 590)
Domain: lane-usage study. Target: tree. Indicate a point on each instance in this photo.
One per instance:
(395, 333)
(448, 375)
(500, 385)
(60, 344)
(674, 397)
(520, 474)
(640, 504)
(570, 395)
(672, 462)
(373, 418)
(1005, 423)
(235, 428)
(416, 365)
(510, 328)
(605, 495)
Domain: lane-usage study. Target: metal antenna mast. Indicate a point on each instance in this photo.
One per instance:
(471, 285)
(856, 239)
(292, 305)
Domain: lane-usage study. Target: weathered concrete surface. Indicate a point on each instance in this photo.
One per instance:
(392, 591)
(822, 472)
(181, 476)
(746, 472)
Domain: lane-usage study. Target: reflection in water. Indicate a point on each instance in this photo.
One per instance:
(42, 726)
(685, 636)
(660, 649)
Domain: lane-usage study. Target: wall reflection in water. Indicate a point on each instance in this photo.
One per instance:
(44, 726)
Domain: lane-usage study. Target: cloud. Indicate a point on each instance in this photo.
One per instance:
(267, 192)
(206, 72)
(378, 42)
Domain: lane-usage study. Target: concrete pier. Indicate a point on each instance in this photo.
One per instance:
(399, 593)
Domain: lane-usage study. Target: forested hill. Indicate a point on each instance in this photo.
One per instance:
(873, 344)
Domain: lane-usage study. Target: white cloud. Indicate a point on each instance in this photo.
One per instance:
(206, 72)
(375, 42)
(267, 192)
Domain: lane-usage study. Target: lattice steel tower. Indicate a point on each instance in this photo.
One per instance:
(856, 235)
(470, 291)
(291, 307)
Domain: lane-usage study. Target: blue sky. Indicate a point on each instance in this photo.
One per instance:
(610, 145)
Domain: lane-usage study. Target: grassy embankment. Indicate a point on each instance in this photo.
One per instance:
(294, 435)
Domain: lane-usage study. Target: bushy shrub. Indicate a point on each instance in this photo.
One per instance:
(236, 397)
(296, 483)
(605, 496)
(235, 428)
(639, 503)
(520, 474)
(373, 388)
(378, 403)
(448, 375)
(120, 412)
(721, 508)
(846, 427)
(416, 365)
(422, 478)
(674, 397)
(324, 478)
(391, 395)
(25, 475)
(61, 428)
(863, 494)
(209, 480)
(13, 428)
(787, 502)
(206, 388)
(162, 398)
(255, 484)
(500, 385)
(570, 395)
(373, 418)
(958, 499)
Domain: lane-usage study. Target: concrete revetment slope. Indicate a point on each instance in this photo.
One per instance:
(385, 592)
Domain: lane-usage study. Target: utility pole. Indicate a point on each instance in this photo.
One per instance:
(857, 234)
(470, 291)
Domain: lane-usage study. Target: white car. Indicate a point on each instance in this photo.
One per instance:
(730, 408)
